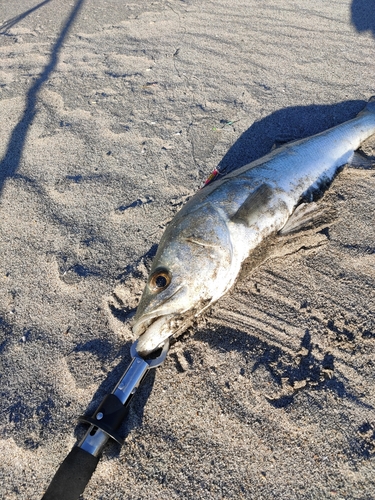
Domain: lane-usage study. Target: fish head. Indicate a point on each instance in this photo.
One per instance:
(190, 270)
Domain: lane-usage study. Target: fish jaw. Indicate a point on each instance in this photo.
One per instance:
(153, 326)
(154, 323)
(155, 334)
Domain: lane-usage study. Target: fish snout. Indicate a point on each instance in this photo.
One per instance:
(152, 332)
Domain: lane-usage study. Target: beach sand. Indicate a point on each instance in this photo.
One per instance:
(112, 115)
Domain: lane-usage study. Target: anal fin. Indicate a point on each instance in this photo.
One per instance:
(308, 216)
(359, 160)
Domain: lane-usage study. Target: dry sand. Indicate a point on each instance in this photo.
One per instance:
(112, 113)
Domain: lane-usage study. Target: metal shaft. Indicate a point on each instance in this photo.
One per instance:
(95, 438)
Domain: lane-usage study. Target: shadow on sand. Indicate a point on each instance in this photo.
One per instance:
(363, 15)
(286, 125)
(7, 25)
(10, 163)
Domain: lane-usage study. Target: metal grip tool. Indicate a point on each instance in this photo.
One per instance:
(76, 470)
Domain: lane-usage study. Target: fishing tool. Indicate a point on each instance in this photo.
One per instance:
(76, 470)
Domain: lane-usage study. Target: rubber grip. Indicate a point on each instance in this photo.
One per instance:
(72, 476)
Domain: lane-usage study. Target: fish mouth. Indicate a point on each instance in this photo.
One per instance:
(153, 332)
(154, 327)
(144, 323)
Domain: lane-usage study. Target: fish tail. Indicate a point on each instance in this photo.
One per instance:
(370, 106)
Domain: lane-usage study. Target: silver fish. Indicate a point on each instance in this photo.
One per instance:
(202, 249)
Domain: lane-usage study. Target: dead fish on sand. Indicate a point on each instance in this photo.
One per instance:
(201, 251)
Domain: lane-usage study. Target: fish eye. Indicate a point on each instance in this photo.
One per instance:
(160, 280)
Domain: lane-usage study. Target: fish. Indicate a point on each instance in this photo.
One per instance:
(204, 246)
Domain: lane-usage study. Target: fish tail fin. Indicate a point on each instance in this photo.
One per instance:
(360, 159)
(370, 106)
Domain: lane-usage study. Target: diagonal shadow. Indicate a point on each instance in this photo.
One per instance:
(5, 27)
(285, 125)
(11, 160)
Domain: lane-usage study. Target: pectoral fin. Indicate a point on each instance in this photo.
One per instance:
(253, 206)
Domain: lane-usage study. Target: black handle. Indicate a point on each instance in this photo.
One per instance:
(72, 476)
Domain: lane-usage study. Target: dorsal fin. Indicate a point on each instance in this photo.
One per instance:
(253, 206)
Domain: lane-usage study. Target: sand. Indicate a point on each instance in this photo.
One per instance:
(112, 114)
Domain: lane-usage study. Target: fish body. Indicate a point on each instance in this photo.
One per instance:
(202, 249)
